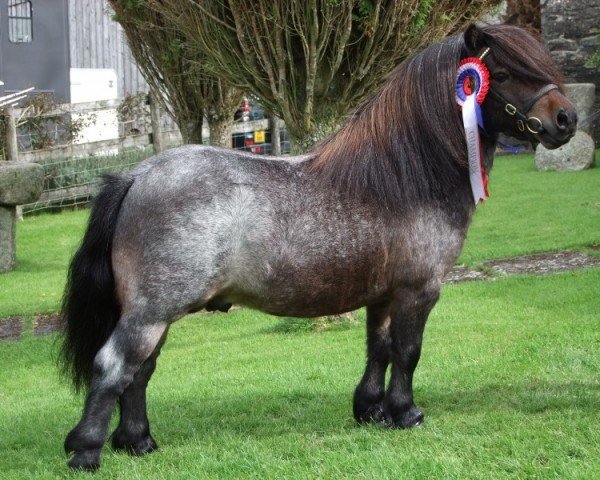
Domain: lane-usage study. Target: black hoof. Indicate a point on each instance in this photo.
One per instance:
(371, 414)
(367, 406)
(86, 453)
(137, 447)
(88, 461)
(410, 418)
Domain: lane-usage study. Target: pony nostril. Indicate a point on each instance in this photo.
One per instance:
(562, 119)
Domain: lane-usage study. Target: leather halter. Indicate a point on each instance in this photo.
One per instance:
(533, 124)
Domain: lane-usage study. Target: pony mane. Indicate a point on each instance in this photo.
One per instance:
(523, 55)
(406, 144)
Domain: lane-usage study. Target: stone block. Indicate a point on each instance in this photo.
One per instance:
(583, 96)
(578, 154)
(562, 44)
(20, 182)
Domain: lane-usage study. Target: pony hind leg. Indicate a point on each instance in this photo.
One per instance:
(369, 394)
(133, 432)
(409, 314)
(130, 344)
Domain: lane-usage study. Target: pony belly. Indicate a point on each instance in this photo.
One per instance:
(300, 308)
(301, 297)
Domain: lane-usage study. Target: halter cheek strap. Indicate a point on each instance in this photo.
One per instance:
(533, 124)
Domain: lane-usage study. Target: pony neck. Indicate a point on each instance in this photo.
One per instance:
(490, 143)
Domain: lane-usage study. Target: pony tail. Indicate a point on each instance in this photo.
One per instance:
(90, 310)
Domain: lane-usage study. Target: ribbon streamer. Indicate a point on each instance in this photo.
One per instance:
(472, 84)
(476, 170)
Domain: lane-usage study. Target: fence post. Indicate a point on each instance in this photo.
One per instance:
(12, 147)
(157, 141)
(275, 135)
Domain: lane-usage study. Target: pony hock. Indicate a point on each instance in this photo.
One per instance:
(375, 216)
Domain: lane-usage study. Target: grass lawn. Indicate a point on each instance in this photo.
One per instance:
(528, 212)
(508, 382)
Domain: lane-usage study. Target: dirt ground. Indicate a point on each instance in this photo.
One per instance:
(537, 264)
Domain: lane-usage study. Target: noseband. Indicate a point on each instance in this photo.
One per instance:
(533, 124)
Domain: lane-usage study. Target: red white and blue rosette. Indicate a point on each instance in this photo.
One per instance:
(472, 77)
(472, 85)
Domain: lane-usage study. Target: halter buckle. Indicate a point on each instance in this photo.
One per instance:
(520, 125)
(510, 109)
(535, 129)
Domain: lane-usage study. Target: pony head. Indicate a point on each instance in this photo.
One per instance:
(526, 97)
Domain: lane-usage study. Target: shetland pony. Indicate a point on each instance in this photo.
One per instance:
(375, 216)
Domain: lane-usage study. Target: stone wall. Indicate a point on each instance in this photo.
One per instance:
(571, 29)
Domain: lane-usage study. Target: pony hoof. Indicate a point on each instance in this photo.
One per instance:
(88, 461)
(411, 418)
(137, 448)
(373, 414)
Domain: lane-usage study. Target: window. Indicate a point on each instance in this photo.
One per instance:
(20, 22)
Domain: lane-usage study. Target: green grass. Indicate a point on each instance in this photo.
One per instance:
(508, 382)
(508, 379)
(528, 212)
(45, 244)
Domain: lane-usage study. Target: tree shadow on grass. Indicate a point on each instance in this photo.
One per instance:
(525, 397)
(266, 414)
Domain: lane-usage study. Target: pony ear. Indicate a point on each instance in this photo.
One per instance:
(512, 20)
(474, 39)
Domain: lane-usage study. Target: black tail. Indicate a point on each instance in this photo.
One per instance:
(90, 310)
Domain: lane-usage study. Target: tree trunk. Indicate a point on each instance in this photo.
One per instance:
(275, 135)
(220, 132)
(191, 131)
(157, 142)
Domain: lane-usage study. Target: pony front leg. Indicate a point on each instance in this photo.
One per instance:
(369, 394)
(115, 365)
(409, 314)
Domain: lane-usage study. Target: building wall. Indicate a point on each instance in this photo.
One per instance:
(96, 41)
(570, 28)
(44, 61)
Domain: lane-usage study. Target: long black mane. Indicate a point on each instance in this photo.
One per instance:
(406, 145)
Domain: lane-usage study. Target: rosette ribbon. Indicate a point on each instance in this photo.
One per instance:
(472, 85)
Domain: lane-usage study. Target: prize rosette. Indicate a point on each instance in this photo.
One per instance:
(472, 85)
(472, 77)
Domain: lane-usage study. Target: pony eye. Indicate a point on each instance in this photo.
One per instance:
(500, 77)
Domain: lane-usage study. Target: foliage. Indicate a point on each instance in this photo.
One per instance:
(42, 123)
(526, 14)
(312, 62)
(133, 113)
(187, 90)
(594, 60)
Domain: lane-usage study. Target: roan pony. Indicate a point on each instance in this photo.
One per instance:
(374, 216)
